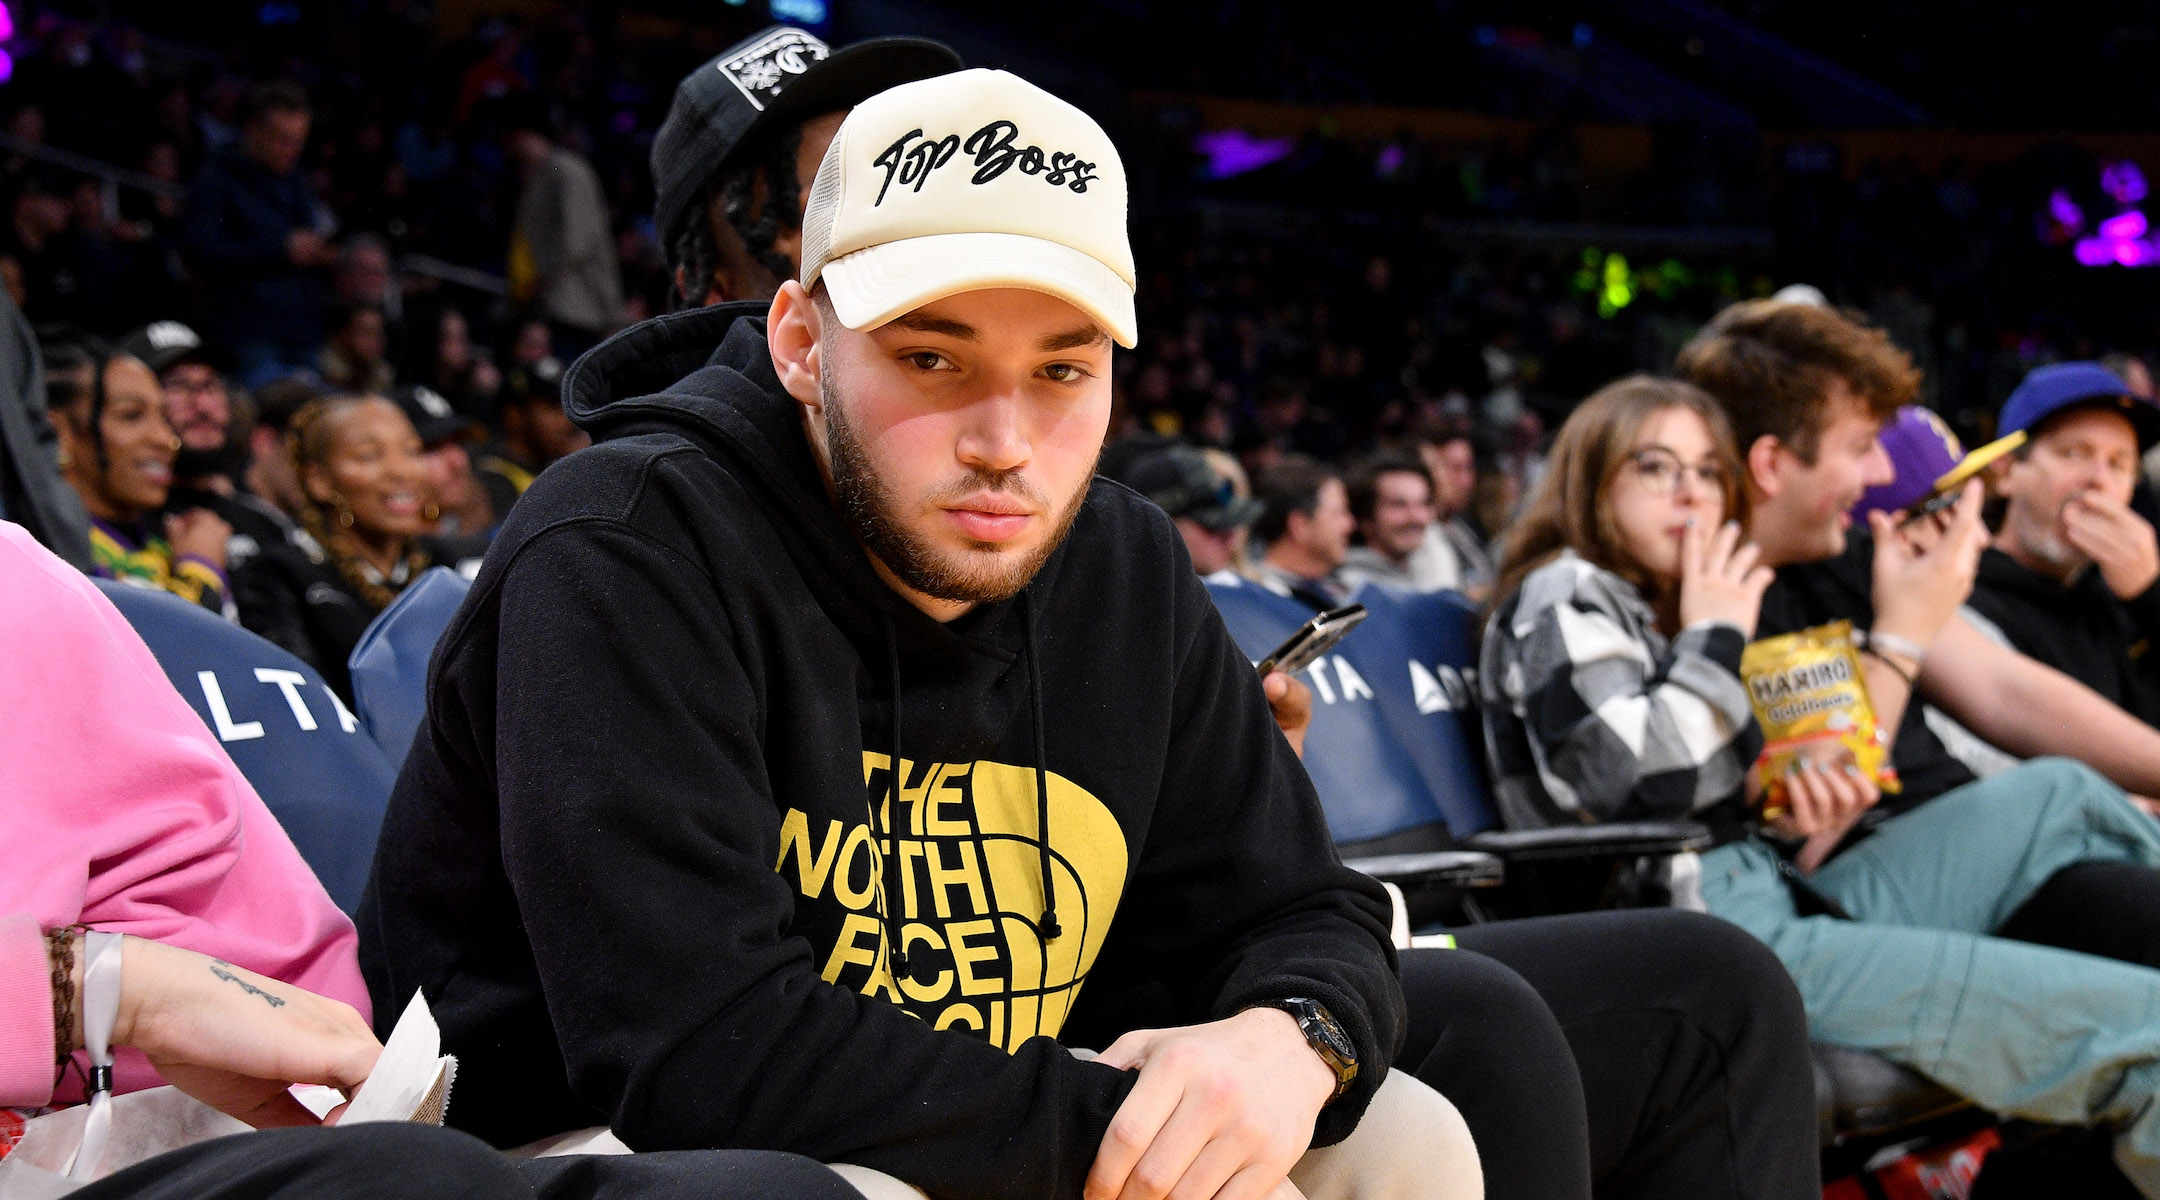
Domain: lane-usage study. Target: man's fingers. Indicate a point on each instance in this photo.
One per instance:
(1216, 1163)
(1173, 1151)
(1260, 1182)
(1132, 1130)
(1128, 1051)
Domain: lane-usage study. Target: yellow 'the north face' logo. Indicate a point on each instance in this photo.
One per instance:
(970, 886)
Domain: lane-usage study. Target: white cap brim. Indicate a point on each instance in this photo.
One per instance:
(872, 286)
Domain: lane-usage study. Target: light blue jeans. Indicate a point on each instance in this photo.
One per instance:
(2023, 1030)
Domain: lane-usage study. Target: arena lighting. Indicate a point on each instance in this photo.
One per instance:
(7, 34)
(1234, 151)
(2123, 240)
(804, 12)
(7, 66)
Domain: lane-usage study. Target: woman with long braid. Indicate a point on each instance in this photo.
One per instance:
(358, 461)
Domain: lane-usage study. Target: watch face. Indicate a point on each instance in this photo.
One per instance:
(1324, 1025)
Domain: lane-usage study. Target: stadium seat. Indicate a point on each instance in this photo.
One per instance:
(390, 662)
(323, 778)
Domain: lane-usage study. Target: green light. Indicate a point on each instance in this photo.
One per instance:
(1619, 289)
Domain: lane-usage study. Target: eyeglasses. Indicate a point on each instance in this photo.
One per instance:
(1659, 471)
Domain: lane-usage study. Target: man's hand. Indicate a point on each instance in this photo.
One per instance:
(1918, 588)
(1222, 1111)
(1822, 804)
(198, 532)
(306, 248)
(1290, 702)
(234, 1039)
(2120, 543)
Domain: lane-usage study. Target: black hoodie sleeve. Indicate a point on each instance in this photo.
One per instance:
(639, 834)
(1246, 900)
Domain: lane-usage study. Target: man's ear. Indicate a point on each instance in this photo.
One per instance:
(793, 330)
(1762, 466)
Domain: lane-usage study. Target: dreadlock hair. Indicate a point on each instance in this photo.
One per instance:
(307, 443)
(75, 365)
(730, 195)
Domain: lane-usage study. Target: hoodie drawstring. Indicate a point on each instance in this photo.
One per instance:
(1047, 928)
(895, 954)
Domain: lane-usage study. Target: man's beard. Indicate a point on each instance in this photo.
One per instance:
(191, 463)
(977, 576)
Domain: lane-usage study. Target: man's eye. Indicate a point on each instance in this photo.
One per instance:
(926, 360)
(1062, 372)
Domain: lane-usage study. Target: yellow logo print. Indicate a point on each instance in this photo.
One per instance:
(970, 884)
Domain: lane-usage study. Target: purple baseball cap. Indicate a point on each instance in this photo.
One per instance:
(1922, 449)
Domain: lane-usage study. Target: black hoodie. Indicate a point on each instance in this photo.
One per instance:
(678, 669)
(2081, 630)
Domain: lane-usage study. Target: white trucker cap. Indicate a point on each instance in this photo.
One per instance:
(973, 180)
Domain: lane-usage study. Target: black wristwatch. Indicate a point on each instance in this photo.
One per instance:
(1325, 1036)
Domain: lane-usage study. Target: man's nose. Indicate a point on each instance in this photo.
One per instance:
(995, 437)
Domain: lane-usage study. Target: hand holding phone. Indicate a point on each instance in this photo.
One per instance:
(1313, 639)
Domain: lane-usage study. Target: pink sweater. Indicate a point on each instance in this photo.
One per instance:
(118, 810)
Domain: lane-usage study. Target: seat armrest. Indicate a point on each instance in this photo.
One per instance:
(1462, 868)
(1613, 839)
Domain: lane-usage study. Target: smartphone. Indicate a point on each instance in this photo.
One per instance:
(1313, 639)
(1952, 485)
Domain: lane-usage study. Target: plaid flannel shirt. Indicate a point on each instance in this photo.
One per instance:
(1592, 715)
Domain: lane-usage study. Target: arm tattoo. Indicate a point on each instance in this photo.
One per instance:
(224, 970)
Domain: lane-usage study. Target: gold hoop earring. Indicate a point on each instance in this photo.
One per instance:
(177, 443)
(344, 514)
(63, 459)
(431, 511)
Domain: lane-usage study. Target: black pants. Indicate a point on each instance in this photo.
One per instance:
(2111, 909)
(420, 1162)
(1642, 1054)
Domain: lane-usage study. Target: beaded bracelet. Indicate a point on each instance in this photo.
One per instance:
(60, 950)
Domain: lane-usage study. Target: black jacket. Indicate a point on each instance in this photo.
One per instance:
(677, 670)
(238, 217)
(294, 596)
(2081, 630)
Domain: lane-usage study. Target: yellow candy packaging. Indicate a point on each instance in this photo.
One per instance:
(1807, 689)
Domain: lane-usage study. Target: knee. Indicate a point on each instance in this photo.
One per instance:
(1411, 1143)
(1735, 979)
(433, 1161)
(2064, 780)
(1488, 1008)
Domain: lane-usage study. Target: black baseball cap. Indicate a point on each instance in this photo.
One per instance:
(780, 77)
(1182, 482)
(433, 416)
(162, 345)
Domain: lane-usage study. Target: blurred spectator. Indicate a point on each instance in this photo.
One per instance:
(460, 503)
(1391, 498)
(1304, 528)
(459, 371)
(360, 467)
(357, 356)
(213, 447)
(2073, 576)
(257, 241)
(1454, 554)
(364, 276)
(562, 250)
(118, 451)
(37, 217)
(535, 433)
(33, 492)
(733, 162)
(270, 477)
(1201, 500)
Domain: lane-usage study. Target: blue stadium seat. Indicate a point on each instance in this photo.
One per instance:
(323, 778)
(390, 662)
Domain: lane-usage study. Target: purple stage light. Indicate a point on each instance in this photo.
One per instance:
(2123, 226)
(1234, 151)
(2124, 180)
(2065, 210)
(7, 31)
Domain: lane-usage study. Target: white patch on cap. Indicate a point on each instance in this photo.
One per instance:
(431, 400)
(171, 335)
(761, 71)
